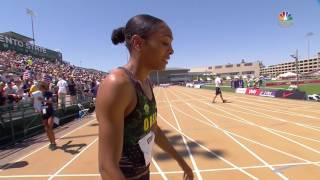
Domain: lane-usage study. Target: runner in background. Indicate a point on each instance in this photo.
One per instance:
(218, 83)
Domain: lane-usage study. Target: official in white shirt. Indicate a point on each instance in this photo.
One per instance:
(218, 83)
(62, 92)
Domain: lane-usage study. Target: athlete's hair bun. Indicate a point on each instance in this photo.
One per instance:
(118, 36)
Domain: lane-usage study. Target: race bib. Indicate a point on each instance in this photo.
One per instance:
(146, 144)
(44, 111)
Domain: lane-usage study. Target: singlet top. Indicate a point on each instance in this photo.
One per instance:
(48, 95)
(138, 137)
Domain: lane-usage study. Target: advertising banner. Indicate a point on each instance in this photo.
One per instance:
(255, 92)
(266, 93)
(241, 90)
(291, 94)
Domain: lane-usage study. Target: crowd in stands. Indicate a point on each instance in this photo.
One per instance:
(20, 76)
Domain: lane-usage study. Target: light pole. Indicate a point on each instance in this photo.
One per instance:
(308, 35)
(297, 65)
(31, 13)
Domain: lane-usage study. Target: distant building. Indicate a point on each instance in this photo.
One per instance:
(243, 68)
(304, 67)
(170, 75)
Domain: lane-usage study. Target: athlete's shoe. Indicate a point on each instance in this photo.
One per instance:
(52, 147)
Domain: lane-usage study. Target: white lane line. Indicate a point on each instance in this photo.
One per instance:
(242, 145)
(250, 140)
(268, 130)
(283, 132)
(240, 119)
(154, 162)
(70, 161)
(305, 109)
(184, 141)
(205, 148)
(156, 94)
(277, 103)
(46, 145)
(177, 101)
(299, 124)
(254, 102)
(258, 106)
(165, 172)
(24, 176)
(312, 126)
(159, 169)
(236, 141)
(282, 109)
(271, 117)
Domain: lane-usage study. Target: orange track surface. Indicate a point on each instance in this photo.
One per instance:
(248, 138)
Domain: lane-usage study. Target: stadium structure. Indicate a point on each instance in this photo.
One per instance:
(305, 67)
(21, 44)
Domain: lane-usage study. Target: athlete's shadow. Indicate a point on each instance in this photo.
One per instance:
(94, 124)
(196, 148)
(19, 164)
(228, 101)
(71, 148)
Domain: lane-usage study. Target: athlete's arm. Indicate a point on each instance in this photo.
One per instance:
(112, 100)
(162, 141)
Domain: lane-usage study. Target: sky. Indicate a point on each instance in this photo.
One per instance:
(206, 32)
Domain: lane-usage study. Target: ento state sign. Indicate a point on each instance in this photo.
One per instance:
(21, 44)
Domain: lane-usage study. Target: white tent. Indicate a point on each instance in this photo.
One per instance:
(316, 73)
(287, 74)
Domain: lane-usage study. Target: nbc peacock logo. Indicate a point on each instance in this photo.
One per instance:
(285, 19)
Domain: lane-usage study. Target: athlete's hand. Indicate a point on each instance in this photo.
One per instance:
(187, 174)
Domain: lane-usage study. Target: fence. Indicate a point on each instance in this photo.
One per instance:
(19, 121)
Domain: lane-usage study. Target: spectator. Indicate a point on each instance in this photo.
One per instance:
(26, 86)
(34, 87)
(72, 91)
(62, 92)
(32, 69)
(2, 94)
(86, 89)
(11, 92)
(37, 100)
(19, 85)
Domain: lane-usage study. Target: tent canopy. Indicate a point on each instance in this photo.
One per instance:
(288, 74)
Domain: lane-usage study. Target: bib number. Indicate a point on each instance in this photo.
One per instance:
(146, 144)
(44, 111)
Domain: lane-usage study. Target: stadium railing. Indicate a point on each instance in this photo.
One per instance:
(20, 121)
